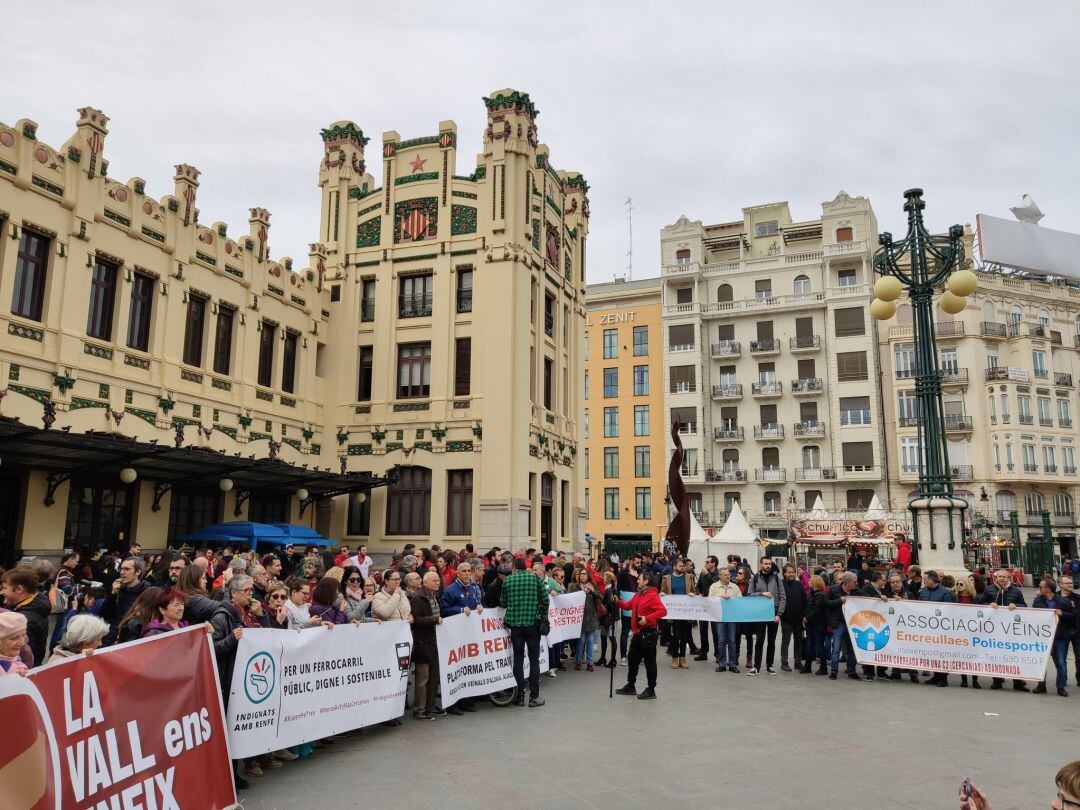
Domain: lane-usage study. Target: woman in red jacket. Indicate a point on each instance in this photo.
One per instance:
(646, 610)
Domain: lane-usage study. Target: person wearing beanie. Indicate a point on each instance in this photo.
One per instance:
(12, 639)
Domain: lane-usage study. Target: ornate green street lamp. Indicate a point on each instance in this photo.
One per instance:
(921, 263)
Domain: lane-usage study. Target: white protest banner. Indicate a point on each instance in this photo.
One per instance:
(951, 638)
(565, 612)
(475, 657)
(293, 687)
(693, 608)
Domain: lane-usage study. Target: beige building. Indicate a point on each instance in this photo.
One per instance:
(1009, 365)
(770, 363)
(162, 374)
(625, 473)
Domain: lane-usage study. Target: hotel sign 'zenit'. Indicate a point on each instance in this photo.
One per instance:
(613, 317)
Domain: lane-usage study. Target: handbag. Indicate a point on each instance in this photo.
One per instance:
(601, 610)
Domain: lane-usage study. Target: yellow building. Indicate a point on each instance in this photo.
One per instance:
(625, 473)
(162, 374)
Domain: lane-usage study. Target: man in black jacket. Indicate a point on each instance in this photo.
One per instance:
(20, 595)
(874, 588)
(627, 583)
(791, 620)
(1066, 585)
(834, 609)
(125, 590)
(705, 580)
(1004, 594)
(427, 614)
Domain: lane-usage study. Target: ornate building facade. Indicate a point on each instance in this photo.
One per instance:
(162, 374)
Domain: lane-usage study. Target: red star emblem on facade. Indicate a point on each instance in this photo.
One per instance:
(418, 164)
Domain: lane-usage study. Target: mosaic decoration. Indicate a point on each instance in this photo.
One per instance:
(151, 234)
(536, 234)
(416, 178)
(293, 443)
(344, 132)
(462, 220)
(103, 391)
(465, 446)
(468, 195)
(367, 233)
(147, 416)
(190, 376)
(359, 449)
(228, 431)
(97, 351)
(36, 394)
(78, 403)
(422, 446)
(28, 332)
(129, 396)
(415, 220)
(567, 267)
(266, 396)
(196, 411)
(222, 385)
(392, 446)
(515, 101)
(551, 252)
(369, 209)
(410, 406)
(13, 372)
(63, 382)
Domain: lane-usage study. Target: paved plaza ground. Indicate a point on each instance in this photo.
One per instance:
(710, 740)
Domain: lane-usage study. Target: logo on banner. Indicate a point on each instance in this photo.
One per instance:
(259, 677)
(870, 629)
(404, 656)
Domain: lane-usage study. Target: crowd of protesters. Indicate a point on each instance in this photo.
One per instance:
(95, 600)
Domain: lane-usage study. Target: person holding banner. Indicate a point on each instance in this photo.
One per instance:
(1003, 594)
(1049, 599)
(837, 594)
(626, 580)
(816, 624)
(706, 579)
(765, 583)
(590, 621)
(390, 604)
(427, 615)
(646, 610)
(724, 633)
(679, 583)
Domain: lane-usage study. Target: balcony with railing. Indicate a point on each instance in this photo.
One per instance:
(367, 310)
(809, 430)
(764, 347)
(1050, 469)
(1062, 379)
(464, 301)
(682, 387)
(415, 306)
(728, 434)
(687, 308)
(907, 421)
(804, 344)
(775, 303)
(961, 472)
(767, 389)
(954, 376)
(846, 248)
(675, 348)
(806, 385)
(1025, 419)
(701, 517)
(905, 373)
(1064, 421)
(996, 373)
(769, 431)
(992, 330)
(680, 269)
(732, 475)
(942, 329)
(815, 474)
(727, 391)
(959, 422)
(1062, 519)
(1031, 468)
(1041, 374)
(1068, 470)
(726, 348)
(1046, 421)
(771, 474)
(1038, 330)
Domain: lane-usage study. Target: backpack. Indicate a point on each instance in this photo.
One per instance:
(57, 598)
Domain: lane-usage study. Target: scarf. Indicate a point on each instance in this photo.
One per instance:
(356, 594)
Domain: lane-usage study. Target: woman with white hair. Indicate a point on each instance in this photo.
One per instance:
(84, 632)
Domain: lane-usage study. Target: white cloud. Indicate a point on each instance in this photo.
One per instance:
(696, 108)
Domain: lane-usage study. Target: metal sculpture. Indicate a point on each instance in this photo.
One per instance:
(678, 531)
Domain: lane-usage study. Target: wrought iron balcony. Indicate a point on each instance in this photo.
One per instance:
(961, 472)
(997, 373)
(809, 430)
(806, 385)
(990, 329)
(728, 434)
(769, 431)
(770, 474)
(464, 301)
(949, 329)
(1041, 374)
(771, 346)
(682, 387)
(956, 421)
(549, 324)
(1050, 469)
(1063, 379)
(1069, 470)
(954, 376)
(804, 344)
(728, 391)
(726, 348)
(367, 310)
(815, 474)
(1064, 422)
(1046, 421)
(415, 306)
(908, 421)
(1031, 468)
(767, 389)
(726, 476)
(1025, 419)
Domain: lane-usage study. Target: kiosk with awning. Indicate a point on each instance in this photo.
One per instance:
(252, 534)
(823, 537)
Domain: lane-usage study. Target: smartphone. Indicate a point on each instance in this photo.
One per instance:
(965, 788)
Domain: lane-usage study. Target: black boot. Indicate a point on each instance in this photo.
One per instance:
(626, 690)
(822, 670)
(648, 693)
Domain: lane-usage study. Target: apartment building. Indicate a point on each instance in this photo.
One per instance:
(1009, 365)
(770, 363)
(625, 473)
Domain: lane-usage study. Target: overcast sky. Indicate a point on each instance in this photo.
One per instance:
(695, 108)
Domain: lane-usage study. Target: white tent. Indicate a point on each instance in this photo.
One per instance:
(875, 512)
(736, 537)
(819, 512)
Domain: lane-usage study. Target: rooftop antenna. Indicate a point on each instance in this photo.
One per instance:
(630, 227)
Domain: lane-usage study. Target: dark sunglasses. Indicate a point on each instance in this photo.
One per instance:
(354, 579)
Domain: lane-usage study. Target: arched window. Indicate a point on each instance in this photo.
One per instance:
(988, 311)
(993, 408)
(772, 501)
(724, 293)
(682, 256)
(770, 457)
(1004, 408)
(1044, 317)
(408, 502)
(1033, 503)
(1016, 315)
(811, 457)
(802, 285)
(731, 460)
(1005, 502)
(1062, 505)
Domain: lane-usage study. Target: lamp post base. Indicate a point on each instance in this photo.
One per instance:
(939, 527)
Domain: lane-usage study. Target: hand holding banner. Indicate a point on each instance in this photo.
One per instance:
(475, 655)
(565, 612)
(718, 609)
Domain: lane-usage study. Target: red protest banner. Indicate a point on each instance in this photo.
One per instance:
(137, 725)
